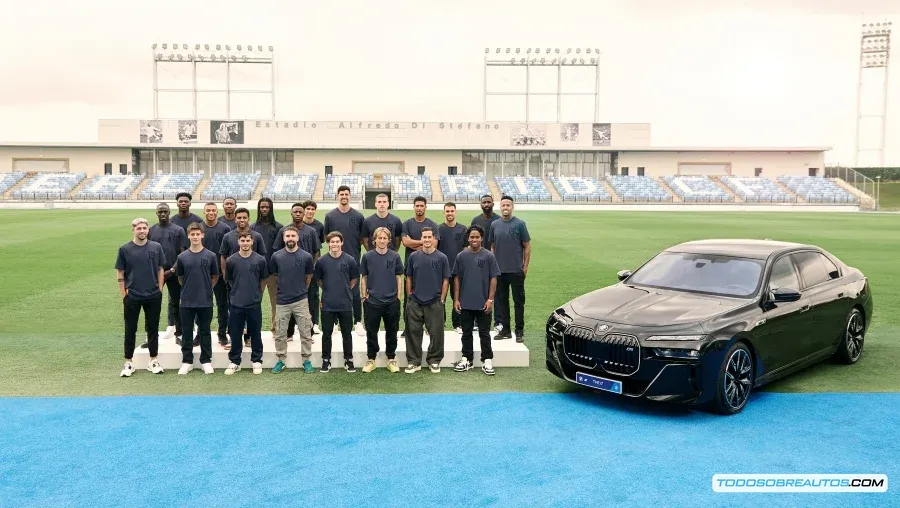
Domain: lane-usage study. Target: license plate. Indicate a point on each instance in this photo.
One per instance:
(599, 383)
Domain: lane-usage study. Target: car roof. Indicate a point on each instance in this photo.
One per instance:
(745, 248)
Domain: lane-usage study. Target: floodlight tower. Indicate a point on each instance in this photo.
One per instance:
(531, 57)
(213, 54)
(874, 58)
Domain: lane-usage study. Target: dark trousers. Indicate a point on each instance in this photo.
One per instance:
(516, 282)
(454, 316)
(203, 317)
(345, 319)
(313, 297)
(469, 319)
(357, 304)
(375, 314)
(238, 318)
(220, 291)
(174, 289)
(132, 310)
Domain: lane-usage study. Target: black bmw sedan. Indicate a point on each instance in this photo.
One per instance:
(705, 322)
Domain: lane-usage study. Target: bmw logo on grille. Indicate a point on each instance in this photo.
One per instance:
(602, 328)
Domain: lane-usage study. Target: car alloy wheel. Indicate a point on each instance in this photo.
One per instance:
(738, 379)
(855, 331)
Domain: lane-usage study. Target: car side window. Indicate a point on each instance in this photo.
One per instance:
(812, 269)
(830, 267)
(784, 275)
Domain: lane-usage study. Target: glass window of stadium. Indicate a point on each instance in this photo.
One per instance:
(284, 162)
(241, 162)
(262, 162)
(204, 162)
(473, 163)
(164, 161)
(145, 162)
(183, 161)
(514, 164)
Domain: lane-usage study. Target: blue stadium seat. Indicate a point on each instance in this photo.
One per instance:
(524, 188)
(580, 189)
(756, 189)
(463, 188)
(49, 186)
(639, 188)
(9, 180)
(815, 189)
(237, 186)
(109, 187)
(293, 187)
(356, 181)
(407, 187)
(162, 187)
(697, 189)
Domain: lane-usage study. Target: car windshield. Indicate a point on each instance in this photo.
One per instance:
(702, 273)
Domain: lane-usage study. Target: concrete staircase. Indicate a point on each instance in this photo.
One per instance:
(75, 190)
(140, 188)
(721, 184)
(436, 194)
(260, 187)
(611, 191)
(662, 183)
(198, 192)
(319, 192)
(554, 194)
(789, 191)
(495, 189)
(866, 201)
(8, 193)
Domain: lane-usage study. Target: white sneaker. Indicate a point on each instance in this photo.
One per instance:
(462, 365)
(232, 369)
(435, 368)
(410, 369)
(488, 367)
(155, 367)
(127, 370)
(458, 330)
(360, 329)
(185, 368)
(168, 334)
(498, 328)
(208, 368)
(316, 330)
(257, 368)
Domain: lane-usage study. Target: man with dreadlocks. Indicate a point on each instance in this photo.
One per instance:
(268, 228)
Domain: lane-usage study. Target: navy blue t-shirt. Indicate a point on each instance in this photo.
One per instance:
(320, 229)
(413, 229)
(184, 223)
(381, 271)
(485, 224)
(291, 269)
(391, 222)
(230, 244)
(307, 239)
(428, 272)
(230, 222)
(197, 270)
(336, 274)
(173, 240)
(475, 271)
(507, 238)
(269, 232)
(350, 225)
(453, 240)
(213, 236)
(243, 276)
(141, 264)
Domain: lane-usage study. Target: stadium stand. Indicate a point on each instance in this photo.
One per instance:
(464, 188)
(237, 186)
(9, 180)
(106, 187)
(167, 186)
(523, 188)
(356, 181)
(697, 189)
(580, 189)
(639, 188)
(757, 189)
(291, 187)
(49, 186)
(815, 189)
(407, 187)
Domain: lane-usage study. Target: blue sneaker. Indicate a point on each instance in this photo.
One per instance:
(307, 367)
(278, 367)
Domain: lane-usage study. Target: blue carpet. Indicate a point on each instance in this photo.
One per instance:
(457, 450)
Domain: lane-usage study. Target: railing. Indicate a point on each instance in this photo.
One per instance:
(861, 182)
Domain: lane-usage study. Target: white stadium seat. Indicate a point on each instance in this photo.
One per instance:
(108, 187)
(407, 187)
(639, 188)
(356, 181)
(9, 180)
(756, 189)
(697, 189)
(523, 188)
(578, 189)
(293, 188)
(49, 186)
(463, 188)
(237, 186)
(815, 189)
(162, 187)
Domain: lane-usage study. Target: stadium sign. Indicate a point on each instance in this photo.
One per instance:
(262, 124)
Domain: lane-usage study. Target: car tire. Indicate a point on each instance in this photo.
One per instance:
(854, 336)
(734, 382)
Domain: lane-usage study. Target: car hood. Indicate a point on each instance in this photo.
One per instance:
(650, 307)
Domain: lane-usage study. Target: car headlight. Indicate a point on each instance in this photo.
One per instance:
(677, 337)
(686, 354)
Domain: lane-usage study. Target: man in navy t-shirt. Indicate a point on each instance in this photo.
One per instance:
(453, 241)
(198, 272)
(309, 239)
(349, 223)
(268, 229)
(475, 279)
(427, 275)
(412, 240)
(337, 274)
(245, 273)
(511, 245)
(184, 217)
(173, 240)
(230, 247)
(139, 272)
(214, 232)
(380, 287)
(382, 219)
(293, 269)
(485, 219)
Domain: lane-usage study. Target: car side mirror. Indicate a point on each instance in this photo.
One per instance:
(786, 295)
(623, 274)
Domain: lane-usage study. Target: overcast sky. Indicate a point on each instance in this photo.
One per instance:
(703, 73)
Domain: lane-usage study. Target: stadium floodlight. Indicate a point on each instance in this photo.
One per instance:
(206, 47)
(218, 47)
(874, 62)
(153, 46)
(272, 48)
(164, 46)
(239, 47)
(487, 50)
(196, 47)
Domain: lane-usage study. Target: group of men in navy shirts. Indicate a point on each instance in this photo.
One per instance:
(229, 260)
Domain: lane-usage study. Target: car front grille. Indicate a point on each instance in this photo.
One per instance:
(615, 353)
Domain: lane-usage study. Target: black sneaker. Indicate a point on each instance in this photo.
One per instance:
(223, 341)
(196, 341)
(348, 364)
(503, 335)
(520, 337)
(145, 345)
(326, 365)
(247, 341)
(177, 341)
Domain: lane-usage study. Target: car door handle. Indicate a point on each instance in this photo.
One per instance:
(804, 308)
(840, 295)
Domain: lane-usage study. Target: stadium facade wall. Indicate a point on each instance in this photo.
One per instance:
(739, 163)
(90, 160)
(436, 162)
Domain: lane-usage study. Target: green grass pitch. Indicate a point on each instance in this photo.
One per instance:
(61, 318)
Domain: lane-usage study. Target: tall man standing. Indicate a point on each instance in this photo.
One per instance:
(380, 287)
(511, 244)
(337, 274)
(412, 240)
(268, 229)
(382, 219)
(427, 275)
(292, 267)
(453, 241)
(349, 223)
(485, 219)
(309, 218)
(214, 232)
(173, 240)
(246, 273)
(230, 244)
(139, 272)
(184, 217)
(308, 238)
(198, 272)
(228, 207)
(475, 279)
